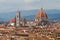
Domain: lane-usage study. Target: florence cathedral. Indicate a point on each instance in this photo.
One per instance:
(41, 19)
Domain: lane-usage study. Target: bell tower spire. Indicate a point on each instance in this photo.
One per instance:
(18, 18)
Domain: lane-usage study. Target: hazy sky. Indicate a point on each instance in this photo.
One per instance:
(11, 5)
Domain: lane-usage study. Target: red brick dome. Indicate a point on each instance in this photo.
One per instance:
(12, 20)
(41, 14)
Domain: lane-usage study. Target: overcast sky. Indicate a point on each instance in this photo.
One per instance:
(12, 5)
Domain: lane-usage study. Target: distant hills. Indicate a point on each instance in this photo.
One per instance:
(50, 17)
(30, 14)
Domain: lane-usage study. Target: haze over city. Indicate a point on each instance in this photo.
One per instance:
(29, 19)
(13, 5)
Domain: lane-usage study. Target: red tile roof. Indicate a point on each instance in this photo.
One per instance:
(12, 20)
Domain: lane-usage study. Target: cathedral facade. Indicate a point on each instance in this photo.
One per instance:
(41, 19)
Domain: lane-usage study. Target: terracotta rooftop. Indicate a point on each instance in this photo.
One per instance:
(12, 20)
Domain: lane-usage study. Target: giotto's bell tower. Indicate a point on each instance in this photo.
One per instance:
(17, 19)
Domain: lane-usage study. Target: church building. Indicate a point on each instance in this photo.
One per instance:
(41, 19)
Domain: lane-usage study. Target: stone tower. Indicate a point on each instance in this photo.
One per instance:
(17, 19)
(23, 22)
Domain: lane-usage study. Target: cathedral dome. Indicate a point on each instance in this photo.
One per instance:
(41, 14)
(12, 20)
